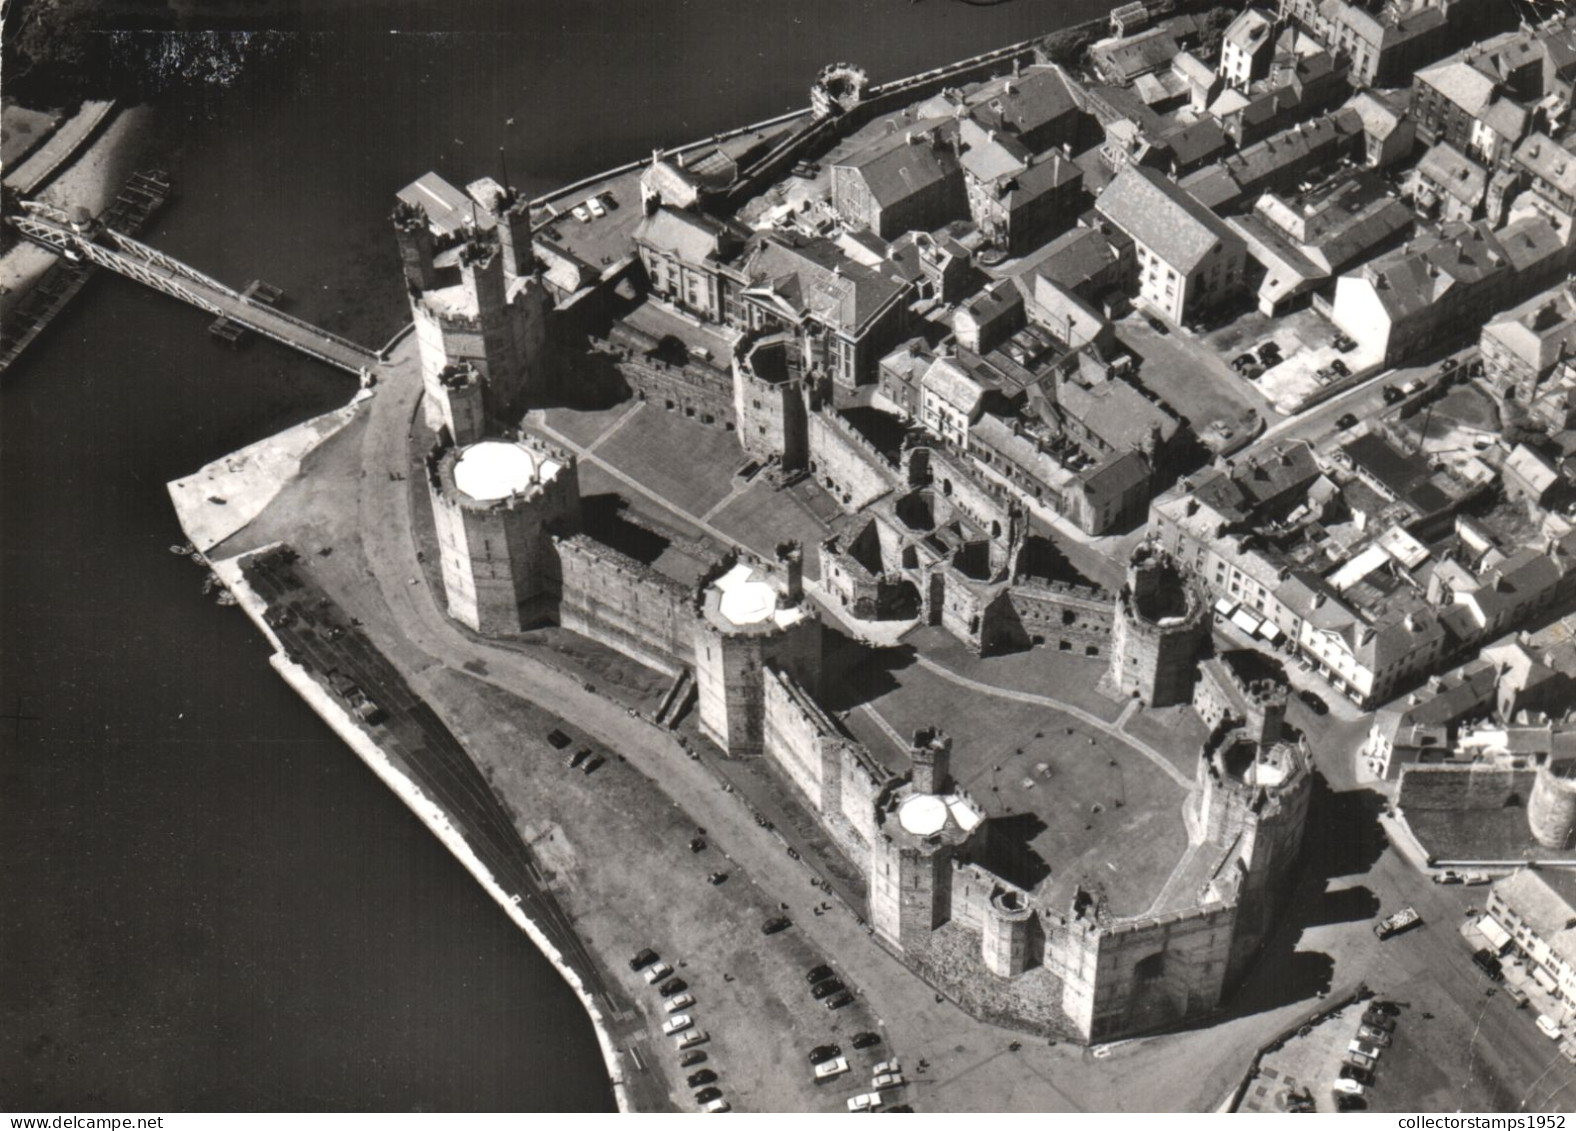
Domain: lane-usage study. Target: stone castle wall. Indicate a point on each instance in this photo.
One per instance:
(617, 601)
(846, 464)
(696, 389)
(1069, 618)
(956, 482)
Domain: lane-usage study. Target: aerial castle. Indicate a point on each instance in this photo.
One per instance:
(744, 645)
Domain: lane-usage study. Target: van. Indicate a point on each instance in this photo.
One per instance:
(1549, 1027)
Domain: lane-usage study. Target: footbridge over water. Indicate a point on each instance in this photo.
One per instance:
(90, 241)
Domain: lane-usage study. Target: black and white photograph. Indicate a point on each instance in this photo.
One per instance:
(787, 556)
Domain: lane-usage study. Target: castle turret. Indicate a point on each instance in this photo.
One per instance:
(496, 506)
(461, 399)
(923, 826)
(1551, 812)
(750, 619)
(414, 238)
(1161, 627)
(1009, 937)
(513, 214)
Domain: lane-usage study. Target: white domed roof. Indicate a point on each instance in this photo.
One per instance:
(494, 469)
(924, 814)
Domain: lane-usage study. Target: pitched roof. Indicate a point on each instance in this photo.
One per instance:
(1539, 906)
(1163, 217)
(1548, 160)
(1029, 104)
(900, 165)
(814, 279)
(688, 235)
(1454, 173)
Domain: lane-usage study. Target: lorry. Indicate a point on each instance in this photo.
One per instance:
(1398, 922)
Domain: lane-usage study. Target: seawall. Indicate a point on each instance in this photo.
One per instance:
(429, 813)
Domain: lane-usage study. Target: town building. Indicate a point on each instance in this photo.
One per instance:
(1522, 347)
(909, 180)
(1187, 258)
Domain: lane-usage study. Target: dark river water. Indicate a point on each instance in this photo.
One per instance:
(207, 901)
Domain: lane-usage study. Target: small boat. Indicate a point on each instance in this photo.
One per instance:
(226, 598)
(181, 550)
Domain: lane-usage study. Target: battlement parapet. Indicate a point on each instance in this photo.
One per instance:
(592, 552)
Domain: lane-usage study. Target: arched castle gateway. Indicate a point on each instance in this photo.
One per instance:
(1054, 956)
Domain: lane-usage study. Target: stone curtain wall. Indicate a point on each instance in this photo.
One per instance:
(617, 601)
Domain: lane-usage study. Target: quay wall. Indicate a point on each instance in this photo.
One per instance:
(426, 811)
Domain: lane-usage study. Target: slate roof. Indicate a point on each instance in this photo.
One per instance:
(814, 278)
(1163, 217)
(900, 165)
(688, 235)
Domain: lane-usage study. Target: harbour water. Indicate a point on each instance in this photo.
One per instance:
(209, 903)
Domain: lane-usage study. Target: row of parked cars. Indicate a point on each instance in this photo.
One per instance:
(678, 1003)
(829, 1063)
(1375, 1032)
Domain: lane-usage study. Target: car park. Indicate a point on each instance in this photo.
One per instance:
(866, 1040)
(674, 1004)
(776, 924)
(842, 999)
(826, 988)
(655, 974)
(643, 959)
(828, 1069)
(672, 986)
(818, 974)
(677, 1024)
(707, 1095)
(868, 1101)
(1549, 1027)
(702, 1078)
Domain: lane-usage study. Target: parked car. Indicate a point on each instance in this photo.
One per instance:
(887, 1080)
(702, 1078)
(557, 739)
(598, 209)
(887, 1066)
(1517, 995)
(1485, 961)
(591, 767)
(1339, 367)
(673, 986)
(674, 1004)
(677, 1024)
(690, 1039)
(1270, 354)
(1549, 1027)
(1397, 923)
(1392, 395)
(1376, 1020)
(1362, 1075)
(643, 959)
(1315, 704)
(1348, 1087)
(827, 1069)
(697, 844)
(1373, 1036)
(1448, 364)
(818, 974)
(866, 1040)
(1388, 1008)
(1346, 420)
(692, 1058)
(1350, 1103)
(824, 1052)
(655, 974)
(778, 923)
(842, 999)
(580, 213)
(708, 1095)
(1156, 325)
(1364, 1048)
(717, 878)
(1358, 1060)
(869, 1101)
(717, 1105)
(577, 757)
(1344, 343)
(826, 988)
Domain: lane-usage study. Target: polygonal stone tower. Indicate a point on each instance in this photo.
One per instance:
(752, 617)
(1161, 628)
(497, 505)
(922, 827)
(1551, 812)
